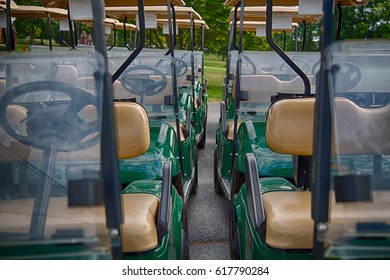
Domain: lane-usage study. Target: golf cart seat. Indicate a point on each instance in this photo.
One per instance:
(289, 130)
(140, 211)
(294, 86)
(288, 217)
(138, 230)
(259, 88)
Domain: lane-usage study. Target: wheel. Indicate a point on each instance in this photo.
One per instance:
(217, 185)
(48, 123)
(185, 243)
(233, 233)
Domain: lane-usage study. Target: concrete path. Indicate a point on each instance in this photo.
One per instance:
(207, 211)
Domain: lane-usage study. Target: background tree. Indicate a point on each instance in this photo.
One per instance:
(369, 21)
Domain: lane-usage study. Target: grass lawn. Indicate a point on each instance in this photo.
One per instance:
(214, 72)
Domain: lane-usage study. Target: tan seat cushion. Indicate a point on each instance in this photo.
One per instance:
(182, 130)
(260, 88)
(288, 217)
(139, 231)
(290, 126)
(230, 129)
(132, 126)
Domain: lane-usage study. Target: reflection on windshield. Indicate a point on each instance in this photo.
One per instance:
(360, 146)
(50, 117)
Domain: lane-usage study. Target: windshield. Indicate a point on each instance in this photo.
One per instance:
(148, 80)
(50, 123)
(360, 208)
(265, 76)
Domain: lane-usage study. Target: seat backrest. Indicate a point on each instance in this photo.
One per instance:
(260, 88)
(132, 126)
(290, 126)
(66, 73)
(362, 130)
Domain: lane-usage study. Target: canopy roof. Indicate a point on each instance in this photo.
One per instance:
(4, 2)
(258, 14)
(39, 12)
(185, 23)
(290, 2)
(111, 22)
(251, 26)
(113, 3)
(161, 11)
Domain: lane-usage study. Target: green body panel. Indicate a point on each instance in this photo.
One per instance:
(251, 244)
(163, 147)
(41, 251)
(251, 139)
(144, 186)
(360, 248)
(224, 150)
(185, 93)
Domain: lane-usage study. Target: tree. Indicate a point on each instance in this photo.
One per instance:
(215, 15)
(366, 22)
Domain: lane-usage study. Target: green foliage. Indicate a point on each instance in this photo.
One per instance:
(370, 21)
(365, 22)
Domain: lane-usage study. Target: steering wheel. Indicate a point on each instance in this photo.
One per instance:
(165, 66)
(143, 80)
(347, 75)
(49, 123)
(300, 62)
(181, 66)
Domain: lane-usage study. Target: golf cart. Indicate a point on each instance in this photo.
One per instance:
(60, 196)
(343, 214)
(151, 80)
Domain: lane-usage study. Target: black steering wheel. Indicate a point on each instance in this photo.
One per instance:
(347, 74)
(52, 123)
(165, 66)
(303, 64)
(181, 66)
(143, 80)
